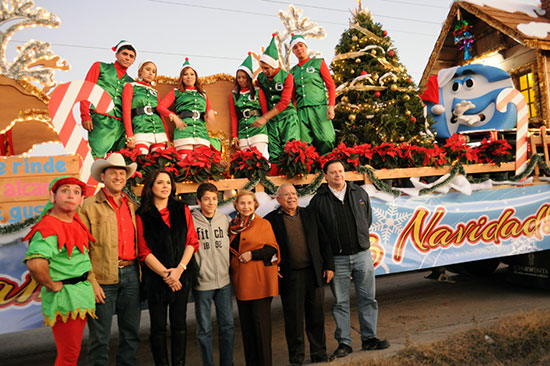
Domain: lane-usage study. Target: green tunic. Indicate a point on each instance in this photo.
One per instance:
(191, 100)
(311, 102)
(145, 96)
(108, 132)
(73, 300)
(284, 126)
(244, 102)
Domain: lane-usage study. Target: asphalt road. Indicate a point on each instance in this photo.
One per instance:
(412, 310)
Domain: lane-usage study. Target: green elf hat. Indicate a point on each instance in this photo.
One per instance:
(121, 44)
(187, 64)
(246, 66)
(271, 54)
(297, 38)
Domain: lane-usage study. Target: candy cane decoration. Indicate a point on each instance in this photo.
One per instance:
(515, 97)
(60, 108)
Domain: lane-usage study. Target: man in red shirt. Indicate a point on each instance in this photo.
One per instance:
(110, 216)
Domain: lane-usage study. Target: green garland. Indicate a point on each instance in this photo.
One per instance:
(131, 194)
(269, 185)
(248, 186)
(312, 187)
(535, 159)
(457, 169)
(13, 228)
(378, 183)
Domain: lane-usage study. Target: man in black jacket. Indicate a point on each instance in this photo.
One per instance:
(306, 265)
(345, 214)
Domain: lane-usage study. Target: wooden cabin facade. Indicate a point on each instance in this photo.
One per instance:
(499, 43)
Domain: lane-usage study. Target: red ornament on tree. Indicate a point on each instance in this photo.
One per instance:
(377, 94)
(385, 33)
(413, 119)
(363, 73)
(391, 53)
(410, 80)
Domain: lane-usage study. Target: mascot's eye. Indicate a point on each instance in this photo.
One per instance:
(469, 83)
(455, 86)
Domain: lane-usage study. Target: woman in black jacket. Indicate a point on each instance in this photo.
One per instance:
(167, 241)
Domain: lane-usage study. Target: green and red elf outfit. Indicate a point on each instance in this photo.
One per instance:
(311, 76)
(245, 108)
(191, 107)
(278, 91)
(108, 130)
(141, 120)
(65, 246)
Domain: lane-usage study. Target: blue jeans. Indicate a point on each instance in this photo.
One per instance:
(359, 269)
(122, 299)
(226, 329)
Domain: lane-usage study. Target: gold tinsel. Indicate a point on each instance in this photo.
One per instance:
(225, 143)
(368, 33)
(205, 80)
(34, 90)
(37, 114)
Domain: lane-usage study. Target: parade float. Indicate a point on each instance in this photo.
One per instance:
(438, 198)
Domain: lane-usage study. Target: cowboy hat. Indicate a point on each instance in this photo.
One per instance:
(115, 160)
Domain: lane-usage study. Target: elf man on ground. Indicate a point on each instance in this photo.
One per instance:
(277, 85)
(311, 76)
(106, 131)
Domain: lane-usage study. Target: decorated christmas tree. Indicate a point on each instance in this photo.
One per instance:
(377, 100)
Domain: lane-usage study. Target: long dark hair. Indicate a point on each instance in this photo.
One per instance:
(249, 83)
(197, 85)
(147, 196)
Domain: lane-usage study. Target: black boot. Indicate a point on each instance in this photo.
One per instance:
(179, 342)
(159, 349)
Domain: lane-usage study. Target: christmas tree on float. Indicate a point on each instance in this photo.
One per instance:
(377, 100)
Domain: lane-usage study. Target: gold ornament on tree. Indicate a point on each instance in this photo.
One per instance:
(352, 117)
(407, 113)
(354, 38)
(357, 60)
(345, 99)
(393, 87)
(406, 98)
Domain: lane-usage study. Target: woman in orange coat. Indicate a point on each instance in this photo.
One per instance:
(254, 258)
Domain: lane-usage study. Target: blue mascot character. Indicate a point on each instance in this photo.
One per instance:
(464, 98)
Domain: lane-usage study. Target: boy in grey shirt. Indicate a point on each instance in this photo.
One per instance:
(213, 280)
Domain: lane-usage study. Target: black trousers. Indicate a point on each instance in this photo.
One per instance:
(302, 299)
(255, 318)
(177, 312)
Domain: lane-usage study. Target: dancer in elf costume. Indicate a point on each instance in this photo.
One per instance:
(58, 259)
(311, 76)
(192, 110)
(145, 129)
(277, 85)
(247, 103)
(106, 131)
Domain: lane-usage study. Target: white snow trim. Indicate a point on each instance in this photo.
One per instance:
(534, 29)
(528, 7)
